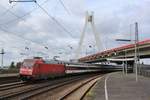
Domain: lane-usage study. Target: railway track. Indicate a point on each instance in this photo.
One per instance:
(32, 90)
(5, 80)
(79, 91)
(11, 85)
(67, 91)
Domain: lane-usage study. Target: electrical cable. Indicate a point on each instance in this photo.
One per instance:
(56, 21)
(45, 12)
(68, 11)
(21, 17)
(7, 32)
(62, 3)
(21, 36)
(27, 13)
(7, 10)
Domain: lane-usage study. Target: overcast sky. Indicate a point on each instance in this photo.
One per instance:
(26, 25)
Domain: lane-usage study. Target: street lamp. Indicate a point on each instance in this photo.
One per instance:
(125, 64)
(136, 59)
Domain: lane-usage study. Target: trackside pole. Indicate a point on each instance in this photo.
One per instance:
(136, 46)
(2, 59)
(123, 67)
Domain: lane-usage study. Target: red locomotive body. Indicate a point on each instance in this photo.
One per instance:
(39, 69)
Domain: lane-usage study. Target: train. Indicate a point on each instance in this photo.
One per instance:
(39, 68)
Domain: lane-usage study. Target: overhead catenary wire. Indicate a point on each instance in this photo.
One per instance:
(7, 32)
(7, 10)
(21, 17)
(40, 6)
(62, 3)
(44, 46)
(55, 20)
(45, 12)
(67, 10)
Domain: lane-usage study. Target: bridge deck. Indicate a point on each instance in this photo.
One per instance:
(121, 87)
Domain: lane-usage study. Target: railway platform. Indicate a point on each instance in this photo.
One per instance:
(8, 78)
(9, 75)
(118, 86)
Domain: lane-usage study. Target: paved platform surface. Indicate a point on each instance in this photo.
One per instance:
(120, 87)
(9, 75)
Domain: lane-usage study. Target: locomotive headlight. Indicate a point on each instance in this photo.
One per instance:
(30, 71)
(26, 71)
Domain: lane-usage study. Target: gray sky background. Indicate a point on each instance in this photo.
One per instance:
(36, 30)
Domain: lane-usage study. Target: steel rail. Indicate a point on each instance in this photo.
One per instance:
(10, 84)
(45, 87)
(80, 86)
(13, 85)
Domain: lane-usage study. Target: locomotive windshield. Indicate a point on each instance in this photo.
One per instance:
(28, 63)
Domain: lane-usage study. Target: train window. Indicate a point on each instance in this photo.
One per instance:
(36, 65)
(51, 62)
(28, 63)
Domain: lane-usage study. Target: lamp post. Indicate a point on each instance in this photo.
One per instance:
(136, 52)
(136, 59)
(124, 62)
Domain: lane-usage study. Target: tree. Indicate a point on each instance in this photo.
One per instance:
(12, 65)
(18, 65)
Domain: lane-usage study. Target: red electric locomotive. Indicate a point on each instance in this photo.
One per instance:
(37, 68)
